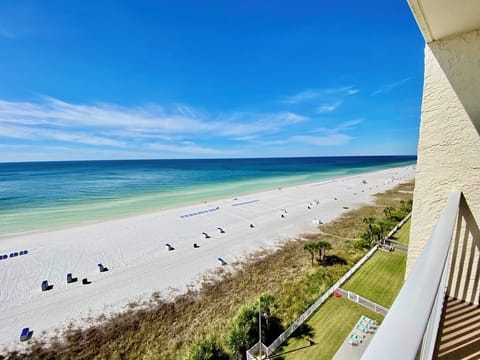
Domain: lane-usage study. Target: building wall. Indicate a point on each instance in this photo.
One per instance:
(449, 146)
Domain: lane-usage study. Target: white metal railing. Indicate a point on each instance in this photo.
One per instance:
(302, 318)
(413, 319)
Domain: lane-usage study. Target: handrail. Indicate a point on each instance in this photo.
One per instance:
(402, 331)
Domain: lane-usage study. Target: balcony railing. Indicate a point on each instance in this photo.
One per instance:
(411, 326)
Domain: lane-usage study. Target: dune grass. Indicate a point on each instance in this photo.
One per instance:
(164, 329)
(331, 324)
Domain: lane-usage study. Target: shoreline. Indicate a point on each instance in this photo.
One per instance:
(100, 210)
(133, 248)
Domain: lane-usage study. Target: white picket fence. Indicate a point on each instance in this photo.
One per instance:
(363, 301)
(302, 318)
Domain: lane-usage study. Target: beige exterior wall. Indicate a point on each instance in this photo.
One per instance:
(449, 147)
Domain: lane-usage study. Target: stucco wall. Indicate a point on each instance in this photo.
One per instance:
(449, 143)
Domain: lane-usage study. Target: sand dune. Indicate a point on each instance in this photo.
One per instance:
(134, 251)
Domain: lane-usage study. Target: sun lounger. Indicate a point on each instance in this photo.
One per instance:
(354, 339)
(169, 247)
(45, 285)
(102, 268)
(85, 281)
(26, 334)
(2, 257)
(221, 261)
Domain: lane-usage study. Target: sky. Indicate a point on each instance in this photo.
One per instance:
(208, 79)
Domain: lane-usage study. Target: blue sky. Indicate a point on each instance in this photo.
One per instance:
(202, 79)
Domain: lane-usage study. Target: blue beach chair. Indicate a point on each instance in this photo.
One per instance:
(26, 334)
(102, 268)
(45, 285)
(221, 261)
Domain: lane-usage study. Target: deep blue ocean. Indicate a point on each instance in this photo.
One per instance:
(44, 195)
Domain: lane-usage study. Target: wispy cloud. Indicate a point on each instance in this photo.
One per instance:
(326, 108)
(391, 86)
(173, 129)
(314, 94)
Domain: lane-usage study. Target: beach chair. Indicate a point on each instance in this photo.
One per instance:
(1, 257)
(195, 246)
(362, 331)
(26, 334)
(85, 281)
(221, 230)
(169, 247)
(354, 339)
(45, 285)
(102, 268)
(221, 261)
(71, 279)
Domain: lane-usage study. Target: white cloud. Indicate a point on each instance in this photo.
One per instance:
(147, 129)
(391, 86)
(326, 108)
(313, 94)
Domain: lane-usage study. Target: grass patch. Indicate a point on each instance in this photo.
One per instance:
(403, 235)
(162, 329)
(331, 323)
(380, 278)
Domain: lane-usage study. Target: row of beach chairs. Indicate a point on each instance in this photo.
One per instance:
(199, 212)
(195, 245)
(364, 326)
(70, 279)
(13, 254)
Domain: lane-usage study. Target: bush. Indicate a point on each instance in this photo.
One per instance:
(207, 349)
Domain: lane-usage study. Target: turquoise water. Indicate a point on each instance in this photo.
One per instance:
(47, 195)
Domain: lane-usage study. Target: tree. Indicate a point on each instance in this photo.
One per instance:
(388, 212)
(267, 303)
(370, 222)
(322, 246)
(207, 349)
(311, 248)
(244, 331)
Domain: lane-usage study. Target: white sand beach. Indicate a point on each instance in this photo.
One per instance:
(134, 251)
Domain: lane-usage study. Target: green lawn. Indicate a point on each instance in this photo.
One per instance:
(331, 324)
(380, 278)
(402, 235)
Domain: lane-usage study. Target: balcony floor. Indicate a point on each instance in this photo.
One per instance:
(459, 335)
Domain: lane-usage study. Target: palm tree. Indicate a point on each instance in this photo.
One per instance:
(311, 248)
(267, 303)
(322, 247)
(370, 222)
(388, 212)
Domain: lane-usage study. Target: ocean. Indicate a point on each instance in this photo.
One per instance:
(38, 196)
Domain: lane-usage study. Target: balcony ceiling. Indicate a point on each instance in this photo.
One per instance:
(439, 19)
